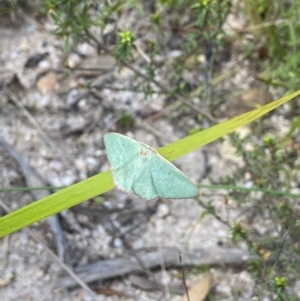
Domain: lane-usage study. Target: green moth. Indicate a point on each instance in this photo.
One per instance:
(138, 168)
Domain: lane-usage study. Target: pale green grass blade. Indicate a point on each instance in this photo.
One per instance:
(188, 144)
(56, 202)
(101, 183)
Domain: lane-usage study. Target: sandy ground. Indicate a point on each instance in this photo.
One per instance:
(59, 127)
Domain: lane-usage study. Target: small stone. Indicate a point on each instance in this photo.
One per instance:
(163, 210)
(117, 243)
(47, 83)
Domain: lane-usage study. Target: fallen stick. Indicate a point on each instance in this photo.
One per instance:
(118, 267)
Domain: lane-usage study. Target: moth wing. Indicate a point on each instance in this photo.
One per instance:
(143, 184)
(123, 156)
(169, 181)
